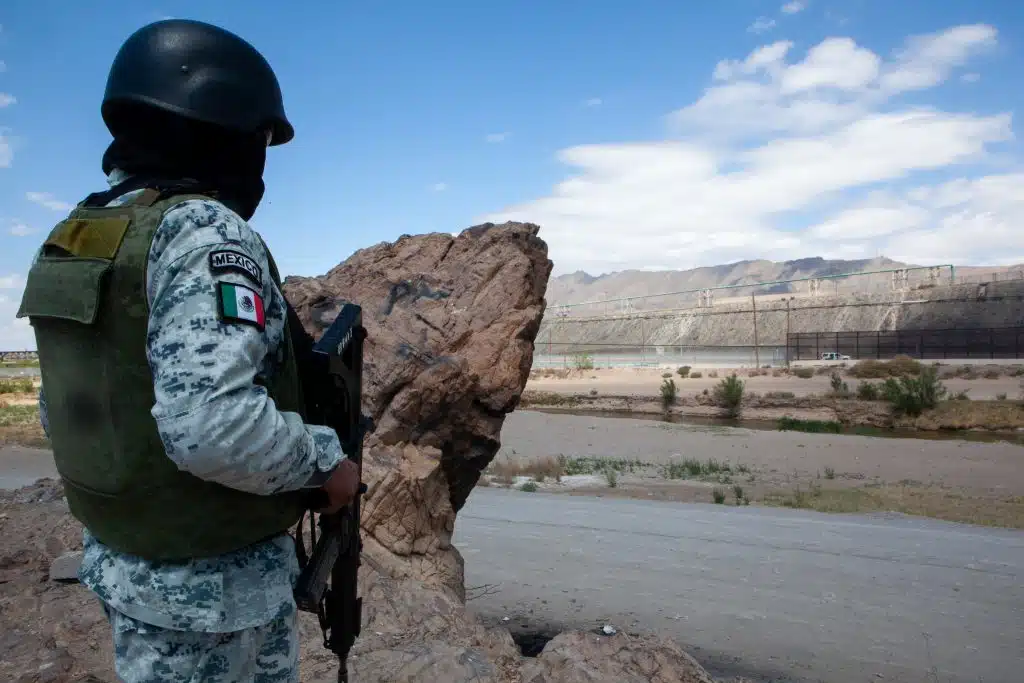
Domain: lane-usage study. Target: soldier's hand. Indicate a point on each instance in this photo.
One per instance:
(342, 486)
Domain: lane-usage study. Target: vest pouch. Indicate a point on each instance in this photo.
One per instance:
(63, 300)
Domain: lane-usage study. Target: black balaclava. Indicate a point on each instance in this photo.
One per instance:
(153, 144)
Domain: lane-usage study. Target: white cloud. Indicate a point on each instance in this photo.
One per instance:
(6, 153)
(439, 187)
(498, 137)
(19, 229)
(593, 102)
(761, 25)
(773, 141)
(794, 7)
(13, 281)
(7, 100)
(48, 200)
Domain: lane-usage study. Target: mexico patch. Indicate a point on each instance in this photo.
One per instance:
(240, 304)
(225, 260)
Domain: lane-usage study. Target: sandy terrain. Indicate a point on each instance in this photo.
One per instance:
(950, 479)
(646, 382)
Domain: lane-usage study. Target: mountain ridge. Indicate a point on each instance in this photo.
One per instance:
(580, 286)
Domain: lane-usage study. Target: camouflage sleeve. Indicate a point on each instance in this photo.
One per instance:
(217, 321)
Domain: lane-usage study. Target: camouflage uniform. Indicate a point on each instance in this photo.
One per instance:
(230, 617)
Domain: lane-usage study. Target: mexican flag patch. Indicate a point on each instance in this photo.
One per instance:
(238, 302)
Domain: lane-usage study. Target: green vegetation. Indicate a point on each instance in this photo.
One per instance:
(729, 395)
(804, 373)
(583, 361)
(913, 395)
(719, 496)
(528, 487)
(840, 389)
(868, 391)
(683, 371)
(668, 393)
(792, 424)
(16, 385)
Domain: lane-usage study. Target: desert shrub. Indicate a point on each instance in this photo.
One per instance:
(666, 375)
(718, 496)
(528, 487)
(683, 371)
(904, 365)
(992, 374)
(668, 392)
(696, 375)
(839, 387)
(611, 476)
(823, 370)
(830, 472)
(804, 373)
(583, 361)
(913, 395)
(729, 395)
(867, 391)
(713, 374)
(738, 492)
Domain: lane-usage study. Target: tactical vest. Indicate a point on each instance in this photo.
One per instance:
(86, 300)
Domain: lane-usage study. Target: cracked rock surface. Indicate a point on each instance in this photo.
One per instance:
(451, 323)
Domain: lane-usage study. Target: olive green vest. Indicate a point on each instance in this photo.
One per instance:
(86, 300)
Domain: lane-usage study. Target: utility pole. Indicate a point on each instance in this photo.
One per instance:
(787, 333)
(757, 353)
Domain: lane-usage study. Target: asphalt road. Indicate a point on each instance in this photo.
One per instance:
(777, 595)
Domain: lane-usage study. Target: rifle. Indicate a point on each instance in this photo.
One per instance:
(331, 371)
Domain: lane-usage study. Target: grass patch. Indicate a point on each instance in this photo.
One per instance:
(957, 414)
(792, 424)
(583, 361)
(911, 500)
(16, 385)
(20, 425)
(546, 398)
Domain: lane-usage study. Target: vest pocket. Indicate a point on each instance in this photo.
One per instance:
(66, 288)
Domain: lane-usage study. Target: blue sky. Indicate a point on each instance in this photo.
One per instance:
(394, 102)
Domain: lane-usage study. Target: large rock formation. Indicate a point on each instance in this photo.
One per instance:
(450, 323)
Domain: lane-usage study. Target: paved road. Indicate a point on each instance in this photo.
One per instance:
(22, 466)
(777, 595)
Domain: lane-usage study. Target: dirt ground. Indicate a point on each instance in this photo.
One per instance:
(646, 382)
(950, 479)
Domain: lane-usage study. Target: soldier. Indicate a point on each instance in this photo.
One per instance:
(172, 399)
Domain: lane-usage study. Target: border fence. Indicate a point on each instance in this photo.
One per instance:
(12, 356)
(990, 342)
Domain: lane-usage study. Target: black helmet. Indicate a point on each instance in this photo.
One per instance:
(197, 71)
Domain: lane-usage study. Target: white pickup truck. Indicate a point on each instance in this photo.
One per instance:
(833, 355)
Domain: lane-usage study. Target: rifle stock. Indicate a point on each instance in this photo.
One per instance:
(331, 371)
